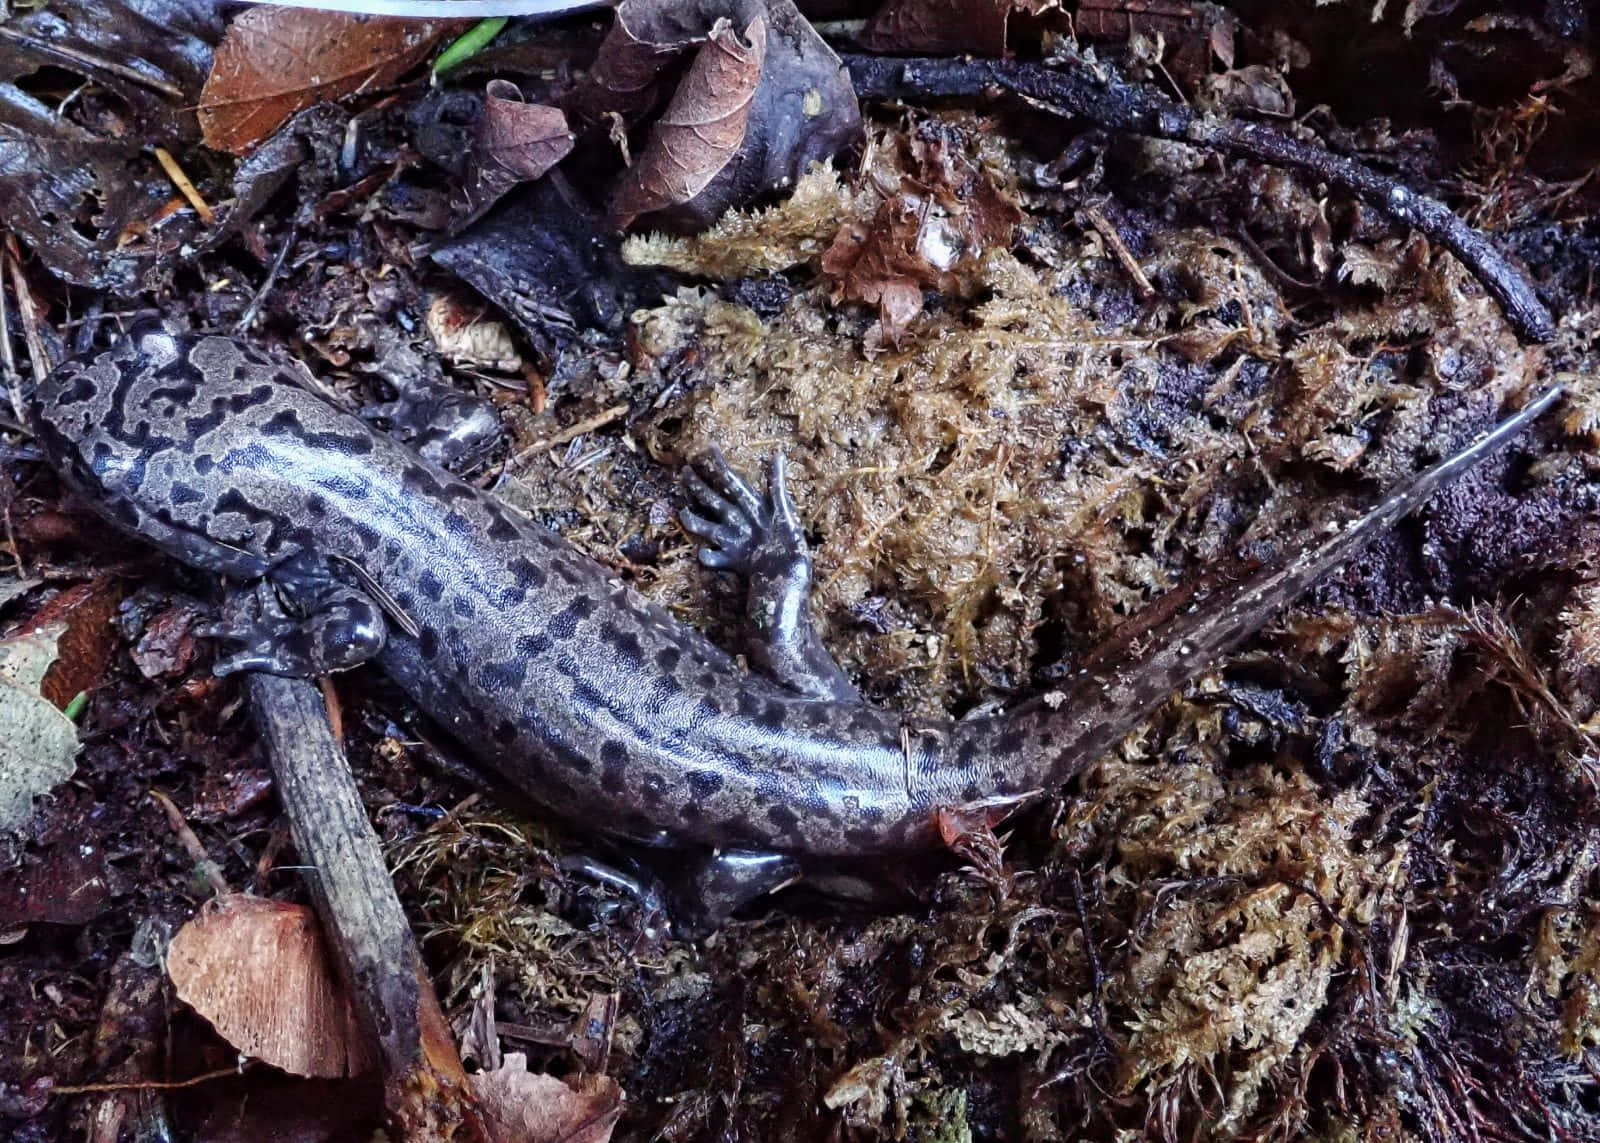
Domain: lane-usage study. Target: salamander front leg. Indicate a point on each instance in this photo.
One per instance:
(299, 624)
(761, 537)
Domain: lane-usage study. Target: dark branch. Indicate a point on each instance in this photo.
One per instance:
(1079, 92)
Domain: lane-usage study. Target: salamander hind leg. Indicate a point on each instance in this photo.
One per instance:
(712, 886)
(760, 536)
(300, 624)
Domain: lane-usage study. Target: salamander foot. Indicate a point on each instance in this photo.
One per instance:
(761, 537)
(335, 627)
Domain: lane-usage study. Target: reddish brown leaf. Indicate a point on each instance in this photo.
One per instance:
(948, 211)
(62, 878)
(934, 26)
(516, 142)
(881, 266)
(760, 123)
(636, 50)
(968, 830)
(273, 62)
(702, 127)
(259, 971)
(228, 793)
(85, 649)
(1190, 35)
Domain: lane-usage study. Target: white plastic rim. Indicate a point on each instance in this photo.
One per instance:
(436, 9)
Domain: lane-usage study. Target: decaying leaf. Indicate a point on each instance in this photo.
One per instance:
(932, 233)
(1186, 35)
(467, 335)
(750, 116)
(85, 612)
(698, 135)
(76, 197)
(146, 60)
(273, 62)
(37, 742)
(11, 588)
(259, 971)
(937, 26)
(167, 644)
(516, 142)
(531, 1107)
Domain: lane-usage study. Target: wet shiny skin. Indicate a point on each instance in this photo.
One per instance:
(552, 672)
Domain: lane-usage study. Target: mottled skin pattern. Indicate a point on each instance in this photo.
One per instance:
(541, 662)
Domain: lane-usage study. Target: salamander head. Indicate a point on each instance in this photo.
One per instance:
(136, 431)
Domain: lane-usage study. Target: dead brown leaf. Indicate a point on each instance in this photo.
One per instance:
(703, 126)
(935, 26)
(273, 62)
(636, 51)
(749, 116)
(880, 265)
(85, 648)
(1190, 36)
(259, 971)
(167, 645)
(947, 211)
(516, 142)
(531, 1107)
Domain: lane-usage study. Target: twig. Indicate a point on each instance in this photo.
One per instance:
(186, 187)
(203, 861)
(588, 425)
(247, 319)
(8, 359)
(144, 1085)
(39, 358)
(48, 47)
(425, 1089)
(1130, 265)
(1109, 103)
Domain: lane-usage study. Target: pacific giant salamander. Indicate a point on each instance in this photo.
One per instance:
(550, 670)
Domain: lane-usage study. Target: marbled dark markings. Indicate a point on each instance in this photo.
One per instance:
(563, 680)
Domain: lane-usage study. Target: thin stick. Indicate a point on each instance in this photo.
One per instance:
(1080, 92)
(39, 357)
(143, 1085)
(589, 425)
(48, 47)
(1130, 265)
(186, 188)
(192, 845)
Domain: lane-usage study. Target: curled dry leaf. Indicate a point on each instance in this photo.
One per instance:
(753, 120)
(530, 1107)
(273, 62)
(643, 41)
(466, 335)
(259, 971)
(87, 644)
(516, 142)
(703, 126)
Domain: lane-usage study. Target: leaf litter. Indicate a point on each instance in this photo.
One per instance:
(1351, 922)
